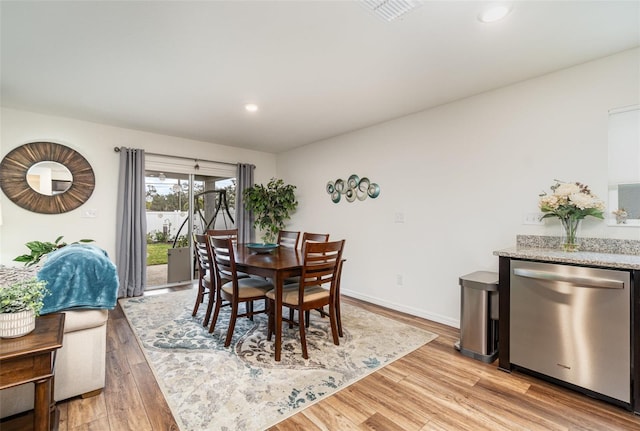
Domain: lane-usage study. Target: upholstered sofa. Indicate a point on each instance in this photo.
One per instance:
(80, 363)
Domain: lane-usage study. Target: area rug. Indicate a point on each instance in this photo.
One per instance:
(209, 387)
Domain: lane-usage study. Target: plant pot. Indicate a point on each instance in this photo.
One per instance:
(13, 325)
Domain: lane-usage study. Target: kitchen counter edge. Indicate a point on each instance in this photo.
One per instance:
(609, 260)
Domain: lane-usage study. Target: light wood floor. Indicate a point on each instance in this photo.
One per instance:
(433, 388)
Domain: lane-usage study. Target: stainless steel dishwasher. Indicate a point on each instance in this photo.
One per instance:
(572, 323)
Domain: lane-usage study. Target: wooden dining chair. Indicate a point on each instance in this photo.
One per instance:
(227, 233)
(288, 238)
(307, 236)
(224, 233)
(317, 237)
(205, 276)
(318, 287)
(231, 288)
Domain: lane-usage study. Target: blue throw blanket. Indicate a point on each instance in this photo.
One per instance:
(79, 276)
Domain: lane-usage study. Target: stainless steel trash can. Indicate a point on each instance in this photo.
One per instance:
(479, 316)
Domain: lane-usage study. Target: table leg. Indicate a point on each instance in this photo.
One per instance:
(279, 281)
(41, 416)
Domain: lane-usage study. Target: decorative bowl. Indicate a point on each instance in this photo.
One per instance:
(260, 247)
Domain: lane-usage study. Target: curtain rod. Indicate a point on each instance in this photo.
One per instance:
(117, 150)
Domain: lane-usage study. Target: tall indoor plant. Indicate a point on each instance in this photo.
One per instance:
(271, 206)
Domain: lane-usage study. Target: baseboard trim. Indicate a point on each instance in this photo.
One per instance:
(403, 308)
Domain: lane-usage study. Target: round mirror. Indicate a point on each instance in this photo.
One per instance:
(71, 183)
(49, 178)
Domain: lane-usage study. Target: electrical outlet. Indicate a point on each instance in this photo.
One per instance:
(399, 279)
(533, 219)
(90, 213)
(399, 217)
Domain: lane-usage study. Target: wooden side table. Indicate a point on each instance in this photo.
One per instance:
(31, 358)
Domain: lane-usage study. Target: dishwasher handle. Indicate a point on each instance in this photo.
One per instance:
(604, 283)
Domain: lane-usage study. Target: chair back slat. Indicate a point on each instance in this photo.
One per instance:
(314, 237)
(223, 258)
(224, 233)
(321, 264)
(287, 238)
(202, 252)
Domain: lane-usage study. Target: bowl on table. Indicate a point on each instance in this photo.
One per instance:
(260, 247)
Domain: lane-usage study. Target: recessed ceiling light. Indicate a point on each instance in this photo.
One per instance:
(494, 13)
(251, 107)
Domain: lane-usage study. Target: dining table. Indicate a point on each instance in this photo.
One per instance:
(278, 265)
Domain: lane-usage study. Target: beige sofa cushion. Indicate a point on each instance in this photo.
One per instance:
(76, 320)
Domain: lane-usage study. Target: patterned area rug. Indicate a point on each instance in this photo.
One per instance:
(209, 387)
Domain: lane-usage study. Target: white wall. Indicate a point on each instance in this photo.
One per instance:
(95, 142)
(463, 175)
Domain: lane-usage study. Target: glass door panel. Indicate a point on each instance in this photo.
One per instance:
(178, 205)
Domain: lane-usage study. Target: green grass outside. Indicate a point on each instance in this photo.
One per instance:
(157, 253)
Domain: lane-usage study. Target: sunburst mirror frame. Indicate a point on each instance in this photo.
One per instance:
(16, 164)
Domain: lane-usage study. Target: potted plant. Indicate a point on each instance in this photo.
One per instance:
(20, 303)
(40, 249)
(271, 206)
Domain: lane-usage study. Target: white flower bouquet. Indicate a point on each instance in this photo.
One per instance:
(570, 202)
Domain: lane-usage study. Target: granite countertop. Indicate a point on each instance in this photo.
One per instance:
(622, 254)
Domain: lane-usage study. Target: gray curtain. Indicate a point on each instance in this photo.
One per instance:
(131, 227)
(244, 220)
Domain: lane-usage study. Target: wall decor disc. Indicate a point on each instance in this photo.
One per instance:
(16, 164)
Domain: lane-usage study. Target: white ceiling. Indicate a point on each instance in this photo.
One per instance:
(317, 69)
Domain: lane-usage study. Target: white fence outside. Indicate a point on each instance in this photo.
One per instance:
(169, 222)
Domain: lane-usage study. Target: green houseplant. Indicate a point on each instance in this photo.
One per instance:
(40, 249)
(20, 302)
(271, 206)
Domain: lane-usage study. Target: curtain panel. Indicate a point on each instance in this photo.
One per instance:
(244, 220)
(131, 224)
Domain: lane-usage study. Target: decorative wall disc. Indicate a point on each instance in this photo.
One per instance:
(354, 188)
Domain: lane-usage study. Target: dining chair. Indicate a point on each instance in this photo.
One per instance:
(318, 286)
(307, 236)
(224, 233)
(231, 288)
(205, 276)
(227, 233)
(288, 238)
(317, 237)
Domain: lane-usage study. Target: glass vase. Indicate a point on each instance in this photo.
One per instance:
(569, 239)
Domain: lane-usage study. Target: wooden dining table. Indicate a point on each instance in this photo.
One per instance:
(279, 264)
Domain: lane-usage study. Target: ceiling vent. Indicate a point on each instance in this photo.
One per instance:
(391, 9)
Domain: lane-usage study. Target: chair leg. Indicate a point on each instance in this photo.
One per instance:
(303, 335)
(307, 315)
(212, 300)
(249, 306)
(232, 323)
(218, 304)
(271, 318)
(199, 299)
(334, 325)
(338, 317)
(291, 310)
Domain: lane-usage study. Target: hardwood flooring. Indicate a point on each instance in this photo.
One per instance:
(433, 388)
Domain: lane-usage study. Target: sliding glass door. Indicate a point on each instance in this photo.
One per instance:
(178, 205)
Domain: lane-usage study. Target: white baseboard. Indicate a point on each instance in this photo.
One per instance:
(403, 308)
